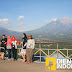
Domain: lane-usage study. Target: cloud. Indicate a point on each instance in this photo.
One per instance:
(8, 25)
(49, 20)
(20, 17)
(4, 20)
(20, 24)
(54, 19)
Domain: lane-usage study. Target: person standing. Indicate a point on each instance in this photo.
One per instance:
(29, 48)
(23, 50)
(14, 42)
(3, 45)
(9, 47)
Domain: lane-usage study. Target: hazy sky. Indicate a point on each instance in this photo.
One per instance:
(24, 15)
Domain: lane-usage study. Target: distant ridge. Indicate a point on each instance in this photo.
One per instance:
(8, 32)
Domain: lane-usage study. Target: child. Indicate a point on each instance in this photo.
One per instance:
(23, 50)
(29, 48)
(14, 47)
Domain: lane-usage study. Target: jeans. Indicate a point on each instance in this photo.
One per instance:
(14, 51)
(9, 53)
(5, 51)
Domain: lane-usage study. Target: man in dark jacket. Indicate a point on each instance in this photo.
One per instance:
(3, 45)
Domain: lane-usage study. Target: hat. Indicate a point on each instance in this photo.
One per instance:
(29, 35)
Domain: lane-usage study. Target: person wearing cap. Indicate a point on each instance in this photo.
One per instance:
(29, 48)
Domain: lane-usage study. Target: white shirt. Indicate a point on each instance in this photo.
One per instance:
(9, 46)
(15, 43)
(30, 43)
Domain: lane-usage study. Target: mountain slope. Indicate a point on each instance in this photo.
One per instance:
(62, 28)
(9, 32)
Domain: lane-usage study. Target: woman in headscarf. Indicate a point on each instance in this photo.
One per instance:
(14, 42)
(23, 50)
(9, 47)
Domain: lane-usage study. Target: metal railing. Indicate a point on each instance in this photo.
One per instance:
(56, 50)
(41, 50)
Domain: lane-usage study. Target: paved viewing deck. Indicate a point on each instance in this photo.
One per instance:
(18, 66)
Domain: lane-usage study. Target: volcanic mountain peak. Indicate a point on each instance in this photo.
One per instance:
(65, 20)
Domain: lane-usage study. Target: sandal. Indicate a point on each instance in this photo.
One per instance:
(28, 62)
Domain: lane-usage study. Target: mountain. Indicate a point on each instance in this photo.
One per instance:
(59, 29)
(9, 32)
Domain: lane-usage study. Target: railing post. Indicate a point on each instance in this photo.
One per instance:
(57, 50)
(48, 52)
(67, 52)
(40, 52)
(19, 51)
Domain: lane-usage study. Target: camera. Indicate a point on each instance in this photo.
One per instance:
(13, 46)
